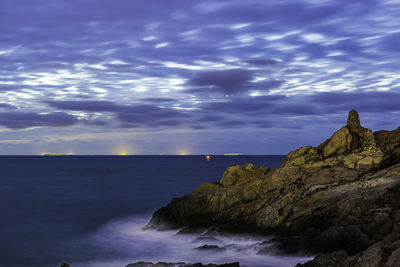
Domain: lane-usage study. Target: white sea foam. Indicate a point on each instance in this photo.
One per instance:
(127, 238)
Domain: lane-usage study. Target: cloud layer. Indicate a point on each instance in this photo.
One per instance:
(196, 68)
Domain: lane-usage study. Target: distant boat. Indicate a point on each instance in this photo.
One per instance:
(232, 154)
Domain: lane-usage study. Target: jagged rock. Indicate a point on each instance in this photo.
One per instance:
(353, 120)
(353, 146)
(322, 199)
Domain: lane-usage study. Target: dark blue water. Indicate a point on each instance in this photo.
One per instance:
(69, 209)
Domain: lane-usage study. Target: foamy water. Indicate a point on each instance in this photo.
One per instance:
(128, 239)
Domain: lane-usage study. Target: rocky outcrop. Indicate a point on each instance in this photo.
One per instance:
(335, 200)
(353, 146)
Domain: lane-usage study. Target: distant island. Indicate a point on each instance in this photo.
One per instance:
(339, 201)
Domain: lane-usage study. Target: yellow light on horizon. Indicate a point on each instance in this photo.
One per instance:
(183, 152)
(123, 151)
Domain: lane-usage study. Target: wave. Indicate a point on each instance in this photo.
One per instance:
(125, 241)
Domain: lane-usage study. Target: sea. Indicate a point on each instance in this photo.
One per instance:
(89, 211)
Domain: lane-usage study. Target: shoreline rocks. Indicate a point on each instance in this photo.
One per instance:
(339, 200)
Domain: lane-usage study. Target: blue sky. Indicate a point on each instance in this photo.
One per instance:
(194, 77)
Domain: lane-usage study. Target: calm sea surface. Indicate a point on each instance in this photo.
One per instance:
(89, 210)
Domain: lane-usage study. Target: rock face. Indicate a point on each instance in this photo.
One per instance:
(337, 200)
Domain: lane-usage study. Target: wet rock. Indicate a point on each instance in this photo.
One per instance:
(334, 259)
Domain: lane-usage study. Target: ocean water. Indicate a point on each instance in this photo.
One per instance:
(89, 211)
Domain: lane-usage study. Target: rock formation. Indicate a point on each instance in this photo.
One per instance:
(353, 146)
(340, 200)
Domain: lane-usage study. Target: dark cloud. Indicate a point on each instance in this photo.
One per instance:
(236, 106)
(209, 118)
(5, 87)
(150, 116)
(371, 101)
(158, 99)
(6, 106)
(227, 81)
(392, 42)
(262, 62)
(90, 105)
(21, 120)
(231, 123)
(298, 109)
(245, 105)
(129, 115)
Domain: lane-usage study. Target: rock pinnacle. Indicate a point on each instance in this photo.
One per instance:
(353, 121)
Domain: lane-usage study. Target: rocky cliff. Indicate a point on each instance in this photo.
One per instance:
(340, 200)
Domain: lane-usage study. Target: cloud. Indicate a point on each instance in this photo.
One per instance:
(227, 81)
(6, 106)
(372, 101)
(295, 109)
(6, 87)
(95, 58)
(262, 62)
(134, 115)
(158, 99)
(22, 120)
(90, 105)
(150, 116)
(392, 42)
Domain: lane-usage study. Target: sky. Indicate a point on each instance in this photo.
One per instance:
(193, 76)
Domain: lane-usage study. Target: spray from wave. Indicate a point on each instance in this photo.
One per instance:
(125, 242)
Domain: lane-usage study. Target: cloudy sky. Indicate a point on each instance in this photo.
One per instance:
(193, 76)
